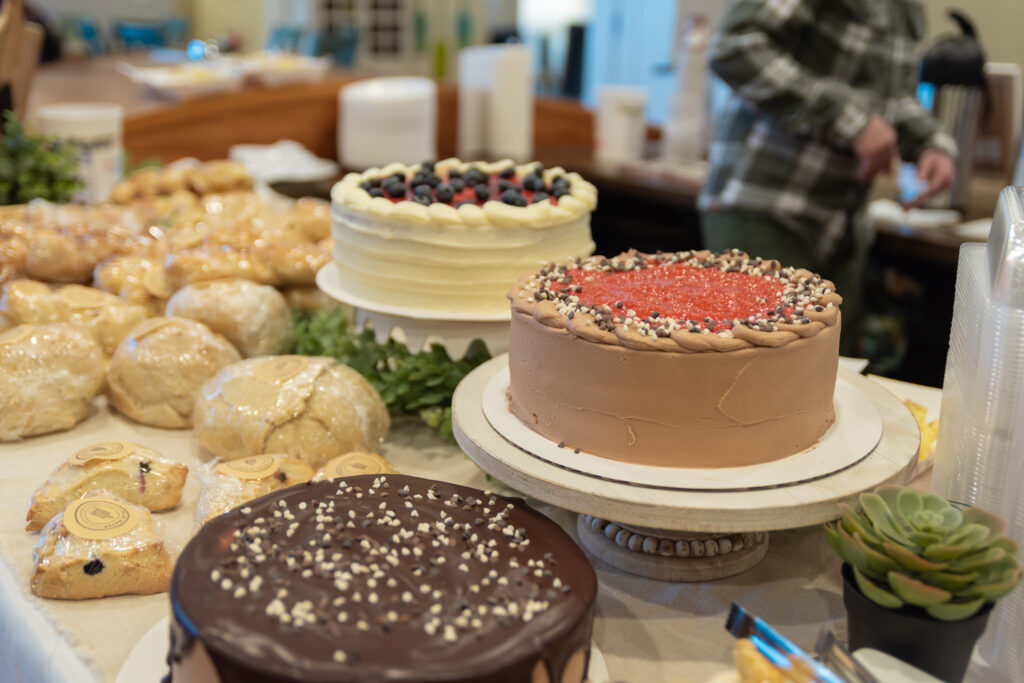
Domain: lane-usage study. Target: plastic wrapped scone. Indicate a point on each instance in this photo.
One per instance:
(133, 472)
(158, 369)
(136, 279)
(253, 317)
(309, 408)
(228, 484)
(100, 545)
(352, 464)
(106, 317)
(49, 375)
(203, 178)
(311, 218)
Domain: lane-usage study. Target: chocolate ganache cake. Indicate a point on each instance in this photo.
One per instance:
(381, 578)
(686, 359)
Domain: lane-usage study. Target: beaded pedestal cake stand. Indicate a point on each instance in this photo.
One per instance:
(690, 525)
(416, 327)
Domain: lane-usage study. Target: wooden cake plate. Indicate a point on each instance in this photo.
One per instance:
(681, 532)
(418, 328)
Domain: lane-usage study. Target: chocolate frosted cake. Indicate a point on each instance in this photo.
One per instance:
(686, 359)
(381, 578)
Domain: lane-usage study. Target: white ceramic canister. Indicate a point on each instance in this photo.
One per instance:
(95, 129)
(620, 127)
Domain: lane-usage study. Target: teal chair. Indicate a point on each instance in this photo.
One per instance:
(311, 43)
(175, 31)
(342, 45)
(132, 35)
(283, 39)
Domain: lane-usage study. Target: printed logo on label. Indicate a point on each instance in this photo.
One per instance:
(96, 518)
(253, 467)
(16, 335)
(105, 450)
(355, 463)
(78, 296)
(279, 368)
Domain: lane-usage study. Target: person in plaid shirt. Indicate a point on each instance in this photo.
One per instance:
(822, 99)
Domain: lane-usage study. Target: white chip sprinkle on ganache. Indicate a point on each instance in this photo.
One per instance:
(355, 561)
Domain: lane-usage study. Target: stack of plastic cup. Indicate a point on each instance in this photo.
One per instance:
(979, 457)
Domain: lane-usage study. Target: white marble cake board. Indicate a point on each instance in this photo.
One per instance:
(675, 534)
(854, 434)
(418, 328)
(147, 662)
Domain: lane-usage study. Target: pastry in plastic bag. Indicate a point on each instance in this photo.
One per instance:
(158, 369)
(310, 408)
(309, 299)
(354, 463)
(100, 545)
(226, 485)
(136, 279)
(253, 317)
(106, 317)
(49, 375)
(201, 178)
(311, 218)
(65, 241)
(133, 472)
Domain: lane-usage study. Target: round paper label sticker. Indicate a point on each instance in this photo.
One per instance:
(148, 326)
(78, 296)
(279, 368)
(104, 450)
(355, 463)
(96, 518)
(16, 334)
(253, 467)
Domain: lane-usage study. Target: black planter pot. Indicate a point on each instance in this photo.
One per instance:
(942, 648)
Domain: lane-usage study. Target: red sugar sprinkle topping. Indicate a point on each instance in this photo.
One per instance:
(700, 292)
(680, 291)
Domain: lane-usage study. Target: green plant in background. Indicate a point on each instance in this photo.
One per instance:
(906, 548)
(410, 383)
(35, 166)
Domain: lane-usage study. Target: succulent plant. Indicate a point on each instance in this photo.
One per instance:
(907, 548)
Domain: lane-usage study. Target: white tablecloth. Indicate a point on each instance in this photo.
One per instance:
(647, 630)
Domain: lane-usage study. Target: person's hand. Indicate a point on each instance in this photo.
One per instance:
(875, 147)
(935, 167)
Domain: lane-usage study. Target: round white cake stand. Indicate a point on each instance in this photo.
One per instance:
(683, 535)
(419, 328)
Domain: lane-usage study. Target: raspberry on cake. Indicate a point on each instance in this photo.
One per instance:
(381, 578)
(455, 235)
(686, 359)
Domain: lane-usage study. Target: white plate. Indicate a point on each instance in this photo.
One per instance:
(853, 435)
(327, 279)
(147, 662)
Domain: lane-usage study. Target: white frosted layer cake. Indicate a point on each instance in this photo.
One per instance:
(454, 235)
